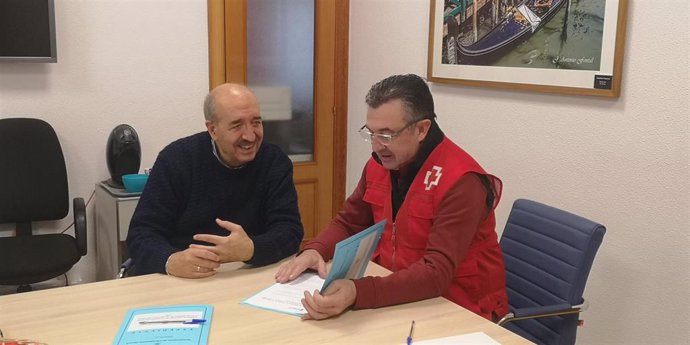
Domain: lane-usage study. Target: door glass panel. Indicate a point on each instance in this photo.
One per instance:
(280, 70)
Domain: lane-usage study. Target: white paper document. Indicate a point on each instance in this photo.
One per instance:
(477, 338)
(349, 262)
(287, 298)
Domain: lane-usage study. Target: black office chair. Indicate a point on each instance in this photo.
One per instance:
(33, 187)
(548, 255)
(124, 269)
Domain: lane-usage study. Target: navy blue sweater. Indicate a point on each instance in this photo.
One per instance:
(189, 188)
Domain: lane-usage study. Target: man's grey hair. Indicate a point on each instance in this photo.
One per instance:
(209, 107)
(411, 89)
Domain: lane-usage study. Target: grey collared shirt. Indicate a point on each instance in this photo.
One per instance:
(215, 153)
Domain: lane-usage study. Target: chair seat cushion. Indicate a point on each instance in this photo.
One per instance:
(32, 259)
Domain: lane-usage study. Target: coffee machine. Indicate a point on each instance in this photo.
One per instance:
(123, 154)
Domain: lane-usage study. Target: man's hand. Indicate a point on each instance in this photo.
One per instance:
(237, 246)
(340, 295)
(192, 263)
(309, 258)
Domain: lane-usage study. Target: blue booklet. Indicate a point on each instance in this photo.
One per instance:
(349, 262)
(353, 254)
(178, 324)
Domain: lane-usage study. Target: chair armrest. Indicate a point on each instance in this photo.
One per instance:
(124, 268)
(79, 209)
(543, 311)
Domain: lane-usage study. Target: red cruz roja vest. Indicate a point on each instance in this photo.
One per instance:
(479, 282)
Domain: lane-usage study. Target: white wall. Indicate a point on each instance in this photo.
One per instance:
(144, 63)
(622, 162)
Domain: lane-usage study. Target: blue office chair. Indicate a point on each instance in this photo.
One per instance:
(33, 187)
(548, 255)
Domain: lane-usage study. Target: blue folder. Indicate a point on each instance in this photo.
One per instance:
(353, 254)
(179, 325)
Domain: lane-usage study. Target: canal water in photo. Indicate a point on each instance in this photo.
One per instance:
(571, 39)
(572, 42)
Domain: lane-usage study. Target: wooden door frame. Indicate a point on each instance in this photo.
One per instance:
(218, 51)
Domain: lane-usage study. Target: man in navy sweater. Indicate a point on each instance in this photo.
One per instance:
(217, 196)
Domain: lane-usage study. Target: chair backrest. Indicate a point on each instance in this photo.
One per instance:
(33, 187)
(548, 254)
(32, 164)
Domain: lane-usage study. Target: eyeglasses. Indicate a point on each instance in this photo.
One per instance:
(383, 139)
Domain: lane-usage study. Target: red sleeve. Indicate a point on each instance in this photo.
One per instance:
(354, 216)
(455, 224)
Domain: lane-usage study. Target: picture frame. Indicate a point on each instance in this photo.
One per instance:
(554, 46)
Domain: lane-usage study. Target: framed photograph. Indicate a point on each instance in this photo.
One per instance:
(561, 46)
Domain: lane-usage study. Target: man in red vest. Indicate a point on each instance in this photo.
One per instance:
(438, 203)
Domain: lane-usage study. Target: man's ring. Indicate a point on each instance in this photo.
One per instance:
(198, 269)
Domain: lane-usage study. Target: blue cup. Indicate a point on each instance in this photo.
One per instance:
(134, 183)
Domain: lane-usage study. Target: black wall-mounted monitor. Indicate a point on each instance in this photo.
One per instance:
(27, 31)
